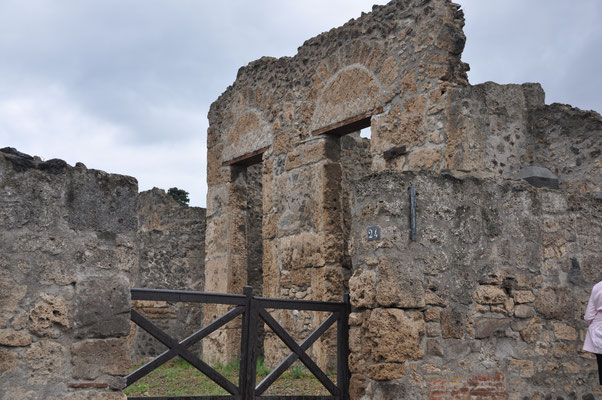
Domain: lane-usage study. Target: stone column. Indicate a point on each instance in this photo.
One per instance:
(226, 260)
(303, 240)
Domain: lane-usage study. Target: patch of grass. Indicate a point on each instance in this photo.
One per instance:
(297, 371)
(179, 378)
(262, 370)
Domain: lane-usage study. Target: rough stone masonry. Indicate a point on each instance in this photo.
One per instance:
(488, 300)
(68, 245)
(171, 248)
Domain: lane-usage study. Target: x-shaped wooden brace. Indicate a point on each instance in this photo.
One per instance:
(298, 352)
(180, 349)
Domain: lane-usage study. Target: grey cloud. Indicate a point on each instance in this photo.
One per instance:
(147, 71)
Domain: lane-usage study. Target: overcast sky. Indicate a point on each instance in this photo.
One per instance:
(125, 85)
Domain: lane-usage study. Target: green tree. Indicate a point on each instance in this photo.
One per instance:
(179, 195)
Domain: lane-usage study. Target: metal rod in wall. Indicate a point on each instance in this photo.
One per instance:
(413, 213)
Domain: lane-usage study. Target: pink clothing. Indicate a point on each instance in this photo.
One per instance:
(593, 315)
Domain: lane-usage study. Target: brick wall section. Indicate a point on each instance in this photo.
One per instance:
(171, 242)
(68, 244)
(480, 387)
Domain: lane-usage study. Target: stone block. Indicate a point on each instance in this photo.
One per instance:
(296, 278)
(424, 159)
(386, 371)
(49, 316)
(216, 269)
(432, 315)
(564, 332)
(94, 358)
(301, 251)
(399, 284)
(523, 296)
(102, 202)
(12, 338)
(523, 311)
(487, 327)
(571, 367)
(555, 303)
(394, 336)
(539, 177)
(486, 294)
(453, 323)
(397, 128)
(590, 267)
(524, 368)
(237, 273)
(282, 143)
(353, 91)
(362, 288)
(8, 360)
(216, 236)
(11, 294)
(434, 348)
(214, 164)
(328, 283)
(357, 386)
(102, 307)
(531, 333)
(433, 329)
(46, 358)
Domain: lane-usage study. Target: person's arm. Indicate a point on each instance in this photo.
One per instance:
(590, 311)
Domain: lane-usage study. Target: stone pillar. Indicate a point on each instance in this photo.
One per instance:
(226, 260)
(68, 245)
(303, 239)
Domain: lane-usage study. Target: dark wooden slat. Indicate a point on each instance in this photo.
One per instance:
(189, 341)
(254, 157)
(249, 389)
(349, 125)
(298, 398)
(288, 361)
(233, 397)
(186, 296)
(304, 358)
(343, 349)
(184, 353)
(244, 342)
(294, 304)
(394, 152)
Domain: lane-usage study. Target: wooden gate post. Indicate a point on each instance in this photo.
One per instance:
(343, 348)
(244, 343)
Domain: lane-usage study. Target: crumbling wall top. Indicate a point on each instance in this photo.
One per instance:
(395, 52)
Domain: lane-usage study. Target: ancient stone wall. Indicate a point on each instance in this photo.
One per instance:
(68, 244)
(171, 242)
(397, 69)
(492, 292)
(395, 62)
(499, 129)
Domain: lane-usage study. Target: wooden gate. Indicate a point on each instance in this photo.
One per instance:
(253, 309)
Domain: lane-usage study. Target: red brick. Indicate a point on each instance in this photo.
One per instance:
(89, 385)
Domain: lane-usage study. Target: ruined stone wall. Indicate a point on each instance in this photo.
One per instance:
(487, 301)
(171, 242)
(398, 59)
(568, 141)
(399, 69)
(68, 244)
(499, 129)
